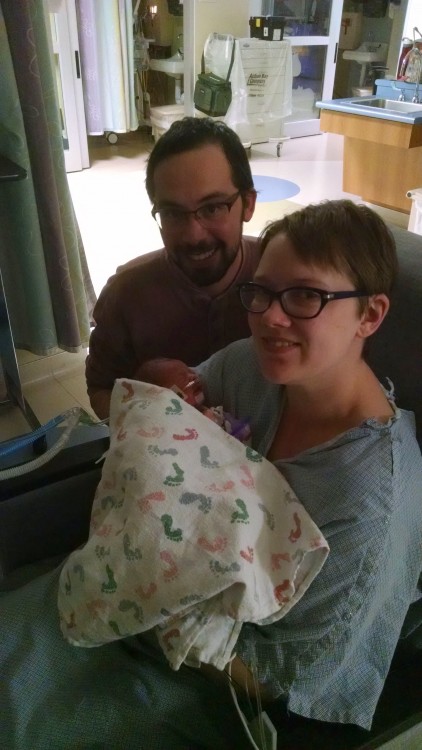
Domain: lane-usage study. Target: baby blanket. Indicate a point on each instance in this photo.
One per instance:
(192, 533)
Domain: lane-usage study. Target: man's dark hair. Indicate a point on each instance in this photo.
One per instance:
(192, 133)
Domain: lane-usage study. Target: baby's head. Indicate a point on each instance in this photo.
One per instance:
(176, 375)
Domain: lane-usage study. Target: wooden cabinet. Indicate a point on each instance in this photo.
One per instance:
(382, 158)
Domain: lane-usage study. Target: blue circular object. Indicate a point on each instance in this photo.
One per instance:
(273, 188)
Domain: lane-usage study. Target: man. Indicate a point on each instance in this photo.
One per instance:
(181, 301)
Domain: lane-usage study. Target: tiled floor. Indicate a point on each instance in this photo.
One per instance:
(116, 225)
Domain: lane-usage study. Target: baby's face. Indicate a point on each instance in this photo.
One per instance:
(173, 373)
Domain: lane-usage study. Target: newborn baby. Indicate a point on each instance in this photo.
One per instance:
(176, 375)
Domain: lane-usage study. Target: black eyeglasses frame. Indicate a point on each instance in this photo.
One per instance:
(229, 203)
(325, 297)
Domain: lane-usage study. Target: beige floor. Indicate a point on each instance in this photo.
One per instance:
(113, 212)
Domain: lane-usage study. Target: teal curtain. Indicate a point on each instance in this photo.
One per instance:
(48, 289)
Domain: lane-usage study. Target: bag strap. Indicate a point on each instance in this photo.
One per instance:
(230, 66)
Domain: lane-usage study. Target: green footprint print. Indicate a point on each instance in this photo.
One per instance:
(177, 478)
(131, 554)
(217, 567)
(175, 535)
(102, 551)
(203, 501)
(110, 586)
(126, 605)
(156, 451)
(204, 453)
(252, 455)
(242, 515)
(176, 408)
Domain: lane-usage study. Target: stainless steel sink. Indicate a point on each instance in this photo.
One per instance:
(391, 105)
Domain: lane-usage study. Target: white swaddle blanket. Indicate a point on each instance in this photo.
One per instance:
(192, 533)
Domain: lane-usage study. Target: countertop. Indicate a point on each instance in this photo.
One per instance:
(351, 106)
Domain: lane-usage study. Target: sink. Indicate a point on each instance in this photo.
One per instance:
(390, 105)
(367, 52)
(172, 66)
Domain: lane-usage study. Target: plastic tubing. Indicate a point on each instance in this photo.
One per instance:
(72, 418)
(23, 440)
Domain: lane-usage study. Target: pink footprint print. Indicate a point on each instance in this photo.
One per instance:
(172, 570)
(279, 591)
(222, 487)
(191, 434)
(104, 530)
(144, 503)
(277, 558)
(96, 607)
(148, 592)
(247, 554)
(129, 392)
(169, 637)
(296, 533)
(154, 432)
(216, 545)
(249, 481)
(121, 435)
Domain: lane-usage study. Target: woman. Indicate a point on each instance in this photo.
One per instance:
(317, 411)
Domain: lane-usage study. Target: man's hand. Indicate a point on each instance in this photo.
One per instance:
(100, 402)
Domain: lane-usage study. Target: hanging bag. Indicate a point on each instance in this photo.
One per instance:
(213, 94)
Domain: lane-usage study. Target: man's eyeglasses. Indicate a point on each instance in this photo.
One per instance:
(209, 215)
(297, 301)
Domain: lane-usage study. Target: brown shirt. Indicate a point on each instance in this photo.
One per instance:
(150, 309)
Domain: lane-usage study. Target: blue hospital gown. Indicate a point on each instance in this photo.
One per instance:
(330, 655)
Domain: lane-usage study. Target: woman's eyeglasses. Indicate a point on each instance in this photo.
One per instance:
(297, 301)
(209, 215)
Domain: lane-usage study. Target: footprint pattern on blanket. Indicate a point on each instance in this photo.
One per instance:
(176, 407)
(189, 434)
(101, 551)
(129, 392)
(252, 455)
(175, 479)
(172, 571)
(126, 605)
(204, 453)
(204, 502)
(218, 544)
(217, 567)
(78, 570)
(131, 553)
(175, 535)
(154, 432)
(110, 586)
(154, 450)
(269, 517)
(242, 515)
(296, 533)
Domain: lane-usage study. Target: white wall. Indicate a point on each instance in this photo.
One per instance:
(222, 16)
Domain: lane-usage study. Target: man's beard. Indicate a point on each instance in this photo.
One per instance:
(204, 275)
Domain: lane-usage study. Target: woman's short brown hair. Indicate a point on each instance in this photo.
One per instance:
(342, 235)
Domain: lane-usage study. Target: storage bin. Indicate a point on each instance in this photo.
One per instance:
(269, 28)
(162, 118)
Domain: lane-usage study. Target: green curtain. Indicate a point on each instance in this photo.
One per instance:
(47, 284)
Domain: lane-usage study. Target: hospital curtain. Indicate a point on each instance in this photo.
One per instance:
(105, 31)
(47, 284)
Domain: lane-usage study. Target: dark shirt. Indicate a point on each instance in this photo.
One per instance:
(149, 309)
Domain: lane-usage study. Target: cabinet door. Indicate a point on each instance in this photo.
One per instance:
(313, 28)
(65, 50)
